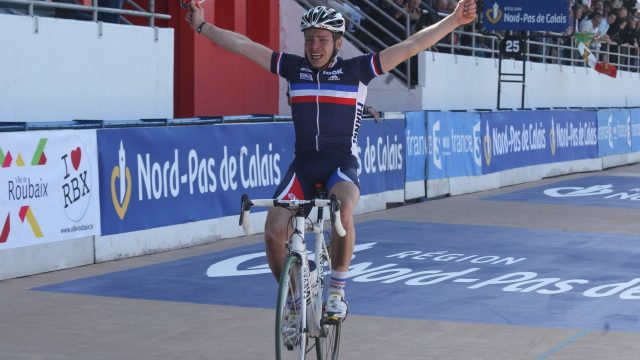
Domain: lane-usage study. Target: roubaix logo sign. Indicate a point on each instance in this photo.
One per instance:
(50, 180)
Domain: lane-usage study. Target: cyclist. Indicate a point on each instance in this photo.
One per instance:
(327, 100)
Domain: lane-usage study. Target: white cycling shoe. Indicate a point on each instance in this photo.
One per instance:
(336, 307)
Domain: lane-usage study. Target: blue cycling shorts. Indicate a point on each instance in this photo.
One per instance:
(310, 168)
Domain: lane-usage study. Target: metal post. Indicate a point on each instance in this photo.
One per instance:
(524, 84)
(473, 39)
(499, 79)
(152, 10)
(408, 34)
(573, 46)
(528, 56)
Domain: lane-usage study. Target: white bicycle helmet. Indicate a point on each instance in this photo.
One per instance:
(322, 17)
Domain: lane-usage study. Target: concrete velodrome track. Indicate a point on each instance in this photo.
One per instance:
(544, 270)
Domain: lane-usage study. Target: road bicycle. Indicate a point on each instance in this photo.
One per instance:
(302, 285)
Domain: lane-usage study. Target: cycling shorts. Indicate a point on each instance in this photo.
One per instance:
(310, 168)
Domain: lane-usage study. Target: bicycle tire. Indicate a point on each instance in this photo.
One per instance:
(328, 346)
(291, 345)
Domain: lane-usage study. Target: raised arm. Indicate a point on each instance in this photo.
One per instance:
(392, 56)
(229, 40)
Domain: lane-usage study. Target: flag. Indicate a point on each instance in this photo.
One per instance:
(587, 55)
(606, 68)
(583, 40)
(584, 37)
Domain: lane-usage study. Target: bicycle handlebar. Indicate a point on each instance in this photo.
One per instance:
(333, 204)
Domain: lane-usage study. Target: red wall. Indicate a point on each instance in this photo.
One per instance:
(212, 81)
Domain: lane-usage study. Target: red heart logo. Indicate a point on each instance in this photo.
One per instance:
(76, 155)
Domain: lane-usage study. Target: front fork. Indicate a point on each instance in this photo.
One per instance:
(311, 306)
(315, 328)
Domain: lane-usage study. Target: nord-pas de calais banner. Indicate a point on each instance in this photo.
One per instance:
(381, 154)
(523, 138)
(573, 135)
(48, 187)
(455, 144)
(614, 132)
(152, 177)
(531, 15)
(417, 146)
(635, 129)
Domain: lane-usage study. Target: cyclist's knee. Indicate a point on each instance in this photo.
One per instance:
(347, 221)
(348, 197)
(275, 228)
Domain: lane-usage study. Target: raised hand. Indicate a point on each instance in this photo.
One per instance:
(195, 15)
(465, 12)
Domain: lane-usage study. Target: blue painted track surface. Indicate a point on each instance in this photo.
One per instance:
(467, 273)
(599, 191)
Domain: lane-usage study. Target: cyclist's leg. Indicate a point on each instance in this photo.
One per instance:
(342, 247)
(278, 224)
(276, 233)
(344, 184)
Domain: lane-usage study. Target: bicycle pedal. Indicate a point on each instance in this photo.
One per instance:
(332, 320)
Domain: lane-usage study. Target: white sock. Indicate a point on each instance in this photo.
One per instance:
(338, 282)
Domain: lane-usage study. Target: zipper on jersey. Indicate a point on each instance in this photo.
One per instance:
(318, 112)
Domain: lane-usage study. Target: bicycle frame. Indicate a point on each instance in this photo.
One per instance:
(312, 295)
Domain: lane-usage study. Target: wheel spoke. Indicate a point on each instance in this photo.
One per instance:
(290, 339)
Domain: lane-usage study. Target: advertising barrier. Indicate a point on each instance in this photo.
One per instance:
(524, 138)
(382, 156)
(573, 135)
(48, 187)
(635, 129)
(417, 146)
(73, 184)
(614, 132)
(454, 145)
(154, 177)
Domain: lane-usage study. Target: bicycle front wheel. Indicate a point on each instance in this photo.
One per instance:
(328, 346)
(291, 340)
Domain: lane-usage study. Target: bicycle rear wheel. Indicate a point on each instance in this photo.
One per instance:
(328, 346)
(291, 340)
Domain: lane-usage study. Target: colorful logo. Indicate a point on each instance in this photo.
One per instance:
(26, 213)
(39, 157)
(487, 146)
(437, 159)
(76, 183)
(477, 144)
(4, 235)
(611, 130)
(494, 14)
(122, 176)
(630, 130)
(24, 191)
(552, 138)
(5, 159)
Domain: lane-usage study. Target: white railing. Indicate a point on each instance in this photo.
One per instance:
(36, 7)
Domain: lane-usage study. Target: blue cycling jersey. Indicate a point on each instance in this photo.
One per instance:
(327, 104)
